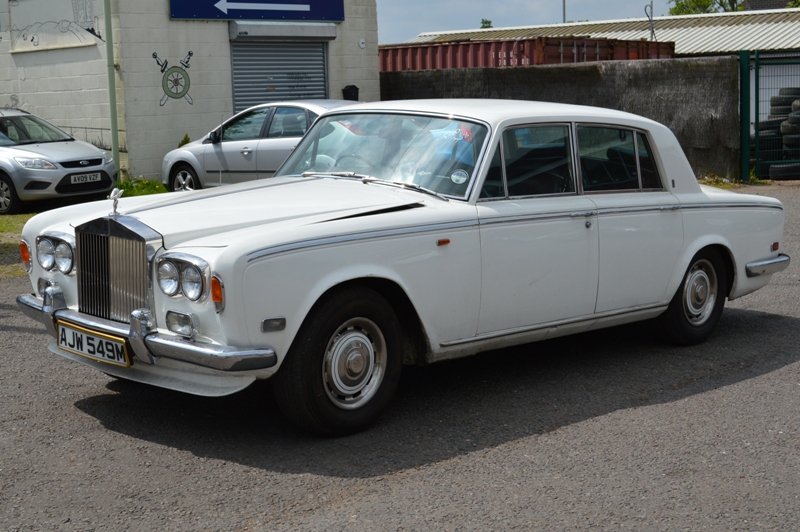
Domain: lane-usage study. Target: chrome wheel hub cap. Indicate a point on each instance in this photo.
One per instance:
(184, 181)
(699, 292)
(354, 363)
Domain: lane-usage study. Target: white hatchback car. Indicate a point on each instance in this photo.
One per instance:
(250, 145)
(399, 233)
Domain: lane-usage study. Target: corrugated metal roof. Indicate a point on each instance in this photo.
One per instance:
(777, 29)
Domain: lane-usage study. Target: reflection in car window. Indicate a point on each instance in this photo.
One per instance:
(493, 186)
(608, 159)
(439, 154)
(288, 122)
(27, 130)
(538, 160)
(247, 126)
(650, 178)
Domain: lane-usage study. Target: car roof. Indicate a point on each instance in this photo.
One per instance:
(318, 105)
(12, 111)
(497, 111)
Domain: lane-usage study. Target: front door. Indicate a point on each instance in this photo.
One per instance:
(233, 159)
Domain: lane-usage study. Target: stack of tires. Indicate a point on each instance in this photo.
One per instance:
(785, 111)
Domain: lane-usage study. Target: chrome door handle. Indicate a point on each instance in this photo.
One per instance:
(246, 151)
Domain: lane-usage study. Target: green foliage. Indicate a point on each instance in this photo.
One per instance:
(694, 7)
(793, 3)
(140, 187)
(185, 140)
(485, 23)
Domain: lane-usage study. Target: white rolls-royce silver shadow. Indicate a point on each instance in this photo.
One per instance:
(399, 233)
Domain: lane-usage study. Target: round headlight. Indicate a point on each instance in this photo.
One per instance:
(45, 253)
(191, 282)
(63, 257)
(168, 278)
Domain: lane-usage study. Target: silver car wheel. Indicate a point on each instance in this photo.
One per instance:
(354, 363)
(184, 180)
(700, 290)
(5, 196)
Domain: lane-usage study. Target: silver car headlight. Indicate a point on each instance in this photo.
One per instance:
(46, 253)
(182, 274)
(38, 164)
(108, 157)
(64, 257)
(191, 282)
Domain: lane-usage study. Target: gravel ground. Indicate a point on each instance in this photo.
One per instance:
(608, 430)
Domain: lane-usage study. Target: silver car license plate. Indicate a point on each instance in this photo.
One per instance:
(84, 178)
(94, 345)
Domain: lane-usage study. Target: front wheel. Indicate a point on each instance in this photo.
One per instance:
(9, 201)
(344, 364)
(697, 306)
(184, 178)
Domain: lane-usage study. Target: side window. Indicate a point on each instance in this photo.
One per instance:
(538, 160)
(650, 177)
(608, 159)
(493, 186)
(288, 122)
(247, 126)
(312, 117)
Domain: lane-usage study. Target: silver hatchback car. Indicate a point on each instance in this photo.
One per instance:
(39, 161)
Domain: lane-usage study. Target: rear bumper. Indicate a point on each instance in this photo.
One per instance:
(768, 266)
(147, 344)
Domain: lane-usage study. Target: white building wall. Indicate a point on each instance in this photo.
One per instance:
(66, 86)
(348, 63)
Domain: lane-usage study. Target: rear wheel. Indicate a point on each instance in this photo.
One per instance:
(184, 178)
(344, 364)
(9, 201)
(697, 306)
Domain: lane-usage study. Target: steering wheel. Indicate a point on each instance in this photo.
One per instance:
(355, 156)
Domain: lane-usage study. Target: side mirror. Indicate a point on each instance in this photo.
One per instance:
(213, 137)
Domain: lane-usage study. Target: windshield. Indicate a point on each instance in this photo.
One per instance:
(28, 129)
(438, 154)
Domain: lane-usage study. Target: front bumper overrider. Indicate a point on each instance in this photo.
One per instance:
(148, 345)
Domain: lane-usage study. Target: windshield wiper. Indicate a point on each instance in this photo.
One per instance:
(337, 174)
(399, 184)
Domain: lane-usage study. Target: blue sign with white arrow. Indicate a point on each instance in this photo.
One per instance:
(322, 10)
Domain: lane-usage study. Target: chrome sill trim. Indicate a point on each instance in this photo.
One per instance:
(685, 206)
(222, 358)
(356, 237)
(551, 324)
(768, 267)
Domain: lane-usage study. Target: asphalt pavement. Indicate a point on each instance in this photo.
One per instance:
(606, 430)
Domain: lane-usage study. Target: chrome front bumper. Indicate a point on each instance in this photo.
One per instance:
(147, 344)
(767, 267)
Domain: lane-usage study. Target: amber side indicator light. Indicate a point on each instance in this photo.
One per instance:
(776, 246)
(25, 253)
(443, 242)
(216, 290)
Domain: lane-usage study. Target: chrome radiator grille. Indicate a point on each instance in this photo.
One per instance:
(112, 265)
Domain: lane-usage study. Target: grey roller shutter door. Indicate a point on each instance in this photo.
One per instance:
(271, 72)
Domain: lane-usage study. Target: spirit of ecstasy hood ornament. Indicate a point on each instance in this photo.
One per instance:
(115, 195)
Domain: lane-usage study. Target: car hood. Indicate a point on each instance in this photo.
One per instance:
(56, 151)
(201, 218)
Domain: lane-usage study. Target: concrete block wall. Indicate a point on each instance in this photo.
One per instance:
(348, 63)
(66, 86)
(697, 98)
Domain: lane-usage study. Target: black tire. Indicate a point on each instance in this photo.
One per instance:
(766, 125)
(780, 110)
(782, 100)
(360, 324)
(791, 154)
(790, 91)
(784, 172)
(791, 141)
(697, 306)
(796, 106)
(9, 201)
(790, 129)
(793, 117)
(184, 178)
(780, 117)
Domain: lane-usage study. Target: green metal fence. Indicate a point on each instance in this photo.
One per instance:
(770, 111)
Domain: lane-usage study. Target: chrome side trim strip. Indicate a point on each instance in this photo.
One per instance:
(768, 266)
(686, 206)
(550, 324)
(356, 237)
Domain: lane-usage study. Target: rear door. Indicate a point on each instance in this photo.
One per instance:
(287, 126)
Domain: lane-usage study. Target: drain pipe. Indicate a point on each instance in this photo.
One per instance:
(112, 82)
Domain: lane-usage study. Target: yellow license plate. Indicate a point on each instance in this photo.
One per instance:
(94, 345)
